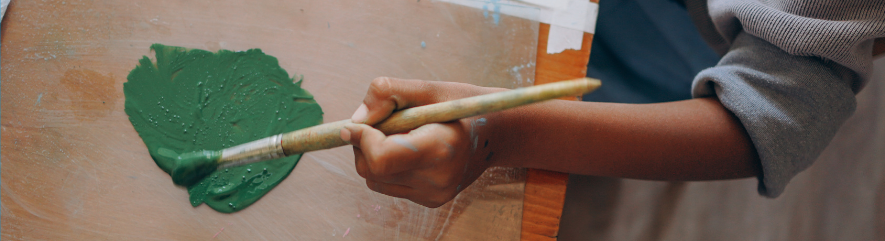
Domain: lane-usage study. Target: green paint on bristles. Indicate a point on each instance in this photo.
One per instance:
(189, 168)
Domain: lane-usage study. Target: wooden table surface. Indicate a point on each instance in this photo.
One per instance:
(76, 170)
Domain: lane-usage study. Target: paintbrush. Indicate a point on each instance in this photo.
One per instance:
(193, 166)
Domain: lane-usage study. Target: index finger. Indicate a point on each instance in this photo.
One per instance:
(386, 95)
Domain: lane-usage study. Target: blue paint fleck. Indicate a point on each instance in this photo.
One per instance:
(515, 71)
(496, 10)
(404, 143)
(497, 15)
(40, 96)
(423, 45)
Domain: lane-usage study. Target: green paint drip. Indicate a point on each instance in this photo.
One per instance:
(192, 100)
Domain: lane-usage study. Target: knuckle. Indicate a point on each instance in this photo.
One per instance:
(443, 151)
(372, 185)
(378, 165)
(440, 200)
(450, 181)
(434, 204)
(444, 183)
(377, 170)
(380, 86)
(430, 203)
(359, 162)
(382, 94)
(361, 171)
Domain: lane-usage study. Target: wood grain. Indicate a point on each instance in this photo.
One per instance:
(542, 206)
(545, 190)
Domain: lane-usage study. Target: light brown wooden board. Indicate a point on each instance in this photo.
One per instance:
(75, 169)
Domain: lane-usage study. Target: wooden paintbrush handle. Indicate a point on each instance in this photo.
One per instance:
(314, 138)
(327, 135)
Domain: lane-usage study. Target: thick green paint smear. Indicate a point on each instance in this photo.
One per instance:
(191, 100)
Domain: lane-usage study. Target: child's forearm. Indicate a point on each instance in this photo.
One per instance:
(695, 139)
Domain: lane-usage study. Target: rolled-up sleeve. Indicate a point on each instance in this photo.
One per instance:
(791, 106)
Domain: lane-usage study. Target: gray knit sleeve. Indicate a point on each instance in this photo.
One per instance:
(791, 106)
(841, 31)
(789, 72)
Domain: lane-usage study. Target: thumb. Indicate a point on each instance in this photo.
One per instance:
(359, 135)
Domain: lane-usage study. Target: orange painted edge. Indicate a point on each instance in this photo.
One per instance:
(545, 190)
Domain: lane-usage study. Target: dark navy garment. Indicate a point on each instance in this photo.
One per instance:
(646, 51)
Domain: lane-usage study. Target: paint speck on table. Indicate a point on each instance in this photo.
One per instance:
(40, 96)
(496, 10)
(219, 231)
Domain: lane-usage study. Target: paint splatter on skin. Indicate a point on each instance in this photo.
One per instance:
(474, 137)
(473, 127)
(346, 232)
(423, 45)
(405, 143)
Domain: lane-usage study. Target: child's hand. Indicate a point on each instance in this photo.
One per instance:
(429, 165)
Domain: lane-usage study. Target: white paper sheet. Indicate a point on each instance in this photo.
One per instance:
(3, 4)
(562, 38)
(568, 19)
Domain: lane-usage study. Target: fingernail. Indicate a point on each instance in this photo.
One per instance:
(345, 135)
(360, 115)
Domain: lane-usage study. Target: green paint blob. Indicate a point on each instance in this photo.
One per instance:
(192, 100)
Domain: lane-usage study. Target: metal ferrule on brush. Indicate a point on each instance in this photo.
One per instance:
(255, 151)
